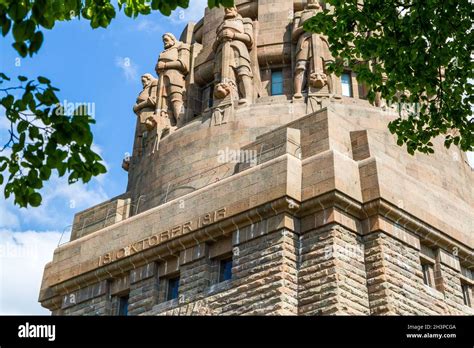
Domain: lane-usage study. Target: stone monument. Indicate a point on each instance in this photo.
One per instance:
(145, 106)
(232, 67)
(172, 68)
(295, 200)
(311, 58)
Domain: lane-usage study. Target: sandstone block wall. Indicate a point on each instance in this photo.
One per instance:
(325, 271)
(314, 226)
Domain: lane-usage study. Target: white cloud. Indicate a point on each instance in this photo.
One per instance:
(470, 158)
(4, 127)
(4, 122)
(129, 68)
(193, 13)
(23, 256)
(60, 202)
(24, 252)
(8, 219)
(148, 26)
(29, 236)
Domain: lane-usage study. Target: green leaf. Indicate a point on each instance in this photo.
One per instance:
(99, 168)
(3, 166)
(6, 27)
(22, 126)
(34, 132)
(43, 80)
(35, 199)
(23, 30)
(227, 3)
(36, 42)
(18, 10)
(45, 173)
(21, 48)
(7, 101)
(185, 3)
(155, 4)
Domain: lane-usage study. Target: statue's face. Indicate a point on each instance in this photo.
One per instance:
(230, 12)
(168, 41)
(145, 81)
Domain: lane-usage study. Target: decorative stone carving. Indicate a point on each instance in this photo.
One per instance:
(223, 89)
(126, 163)
(318, 79)
(232, 57)
(312, 55)
(223, 108)
(146, 102)
(316, 103)
(172, 68)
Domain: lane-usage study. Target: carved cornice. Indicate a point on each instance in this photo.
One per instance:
(332, 200)
(173, 247)
(395, 215)
(426, 232)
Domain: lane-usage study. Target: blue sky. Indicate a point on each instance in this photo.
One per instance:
(101, 66)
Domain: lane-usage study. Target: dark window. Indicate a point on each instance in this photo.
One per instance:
(123, 305)
(427, 274)
(346, 84)
(173, 288)
(466, 294)
(225, 270)
(210, 101)
(277, 82)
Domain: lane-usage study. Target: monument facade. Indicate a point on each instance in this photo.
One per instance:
(259, 183)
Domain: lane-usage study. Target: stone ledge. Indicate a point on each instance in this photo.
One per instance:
(172, 247)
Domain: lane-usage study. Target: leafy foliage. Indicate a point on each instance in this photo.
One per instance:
(416, 52)
(43, 138)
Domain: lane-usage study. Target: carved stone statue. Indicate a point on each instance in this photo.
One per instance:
(146, 101)
(312, 53)
(126, 164)
(172, 68)
(232, 62)
(223, 108)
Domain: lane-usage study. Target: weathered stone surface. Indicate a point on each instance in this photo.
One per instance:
(318, 208)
